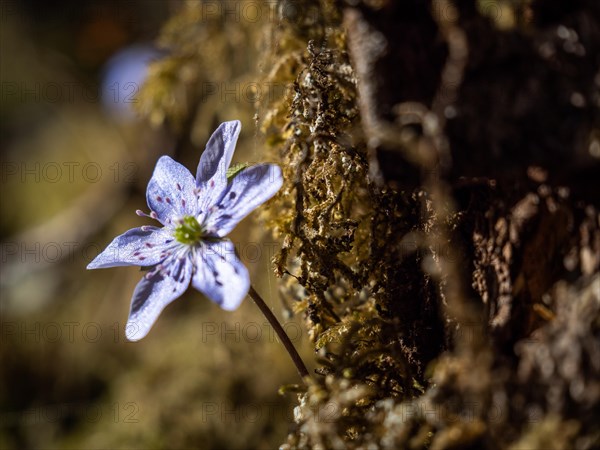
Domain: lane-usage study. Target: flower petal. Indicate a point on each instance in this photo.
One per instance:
(211, 176)
(171, 191)
(248, 190)
(153, 293)
(146, 246)
(220, 275)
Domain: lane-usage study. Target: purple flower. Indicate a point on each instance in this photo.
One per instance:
(196, 215)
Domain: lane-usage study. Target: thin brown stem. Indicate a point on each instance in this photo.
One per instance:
(287, 343)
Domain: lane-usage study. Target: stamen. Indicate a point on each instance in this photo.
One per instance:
(152, 214)
(188, 231)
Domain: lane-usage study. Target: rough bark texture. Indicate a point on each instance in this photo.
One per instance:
(443, 166)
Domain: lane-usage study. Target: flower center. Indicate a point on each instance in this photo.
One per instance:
(189, 231)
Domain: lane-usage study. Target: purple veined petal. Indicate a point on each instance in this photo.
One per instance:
(154, 292)
(211, 176)
(220, 275)
(248, 190)
(146, 246)
(218, 152)
(171, 191)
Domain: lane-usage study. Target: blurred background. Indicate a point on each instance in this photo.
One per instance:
(75, 159)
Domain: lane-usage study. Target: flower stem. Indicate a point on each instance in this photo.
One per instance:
(287, 343)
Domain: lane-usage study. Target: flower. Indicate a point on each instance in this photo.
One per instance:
(196, 215)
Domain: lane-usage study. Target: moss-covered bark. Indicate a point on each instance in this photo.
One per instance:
(439, 218)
